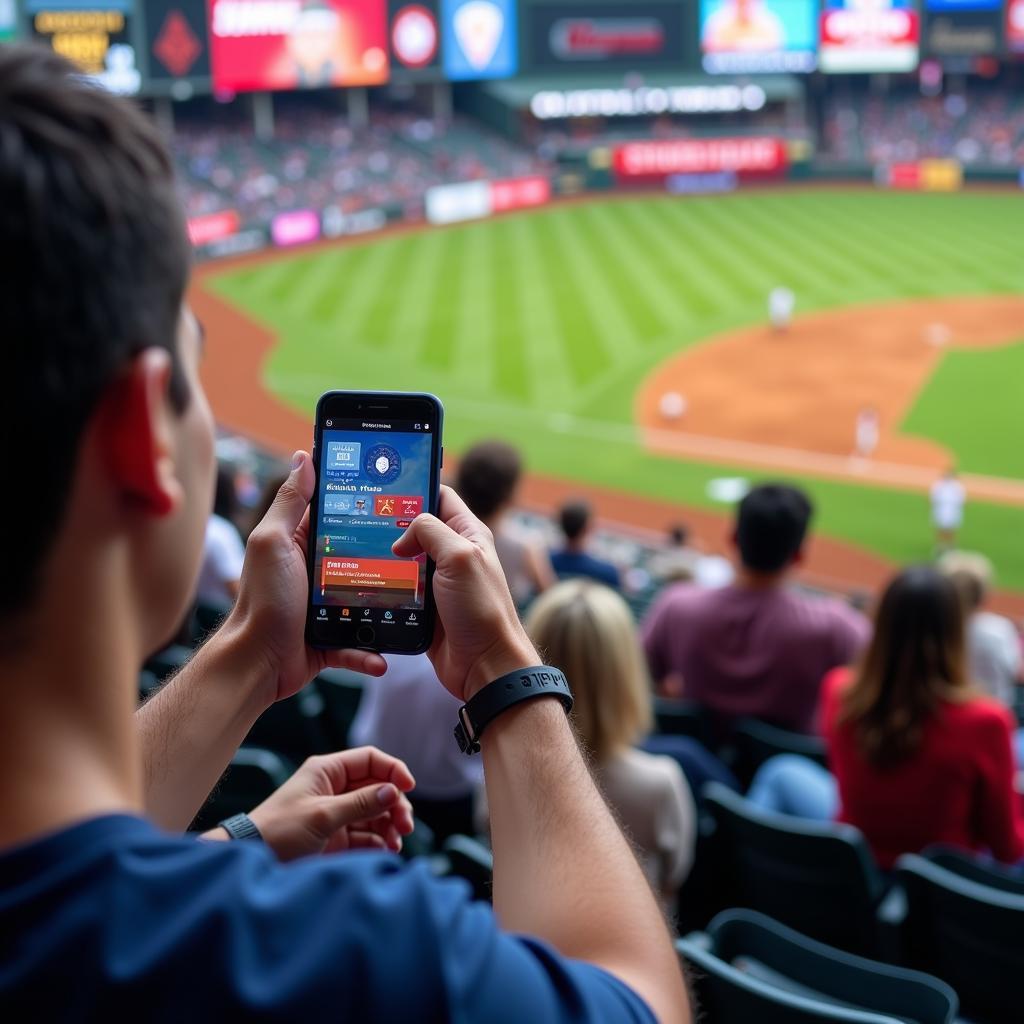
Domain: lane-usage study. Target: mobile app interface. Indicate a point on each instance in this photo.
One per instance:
(374, 481)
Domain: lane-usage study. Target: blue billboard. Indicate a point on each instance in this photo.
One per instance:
(480, 39)
(741, 36)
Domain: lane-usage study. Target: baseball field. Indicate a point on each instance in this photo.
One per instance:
(560, 329)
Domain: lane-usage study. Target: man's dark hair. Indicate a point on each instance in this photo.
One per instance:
(96, 261)
(574, 517)
(771, 526)
(488, 476)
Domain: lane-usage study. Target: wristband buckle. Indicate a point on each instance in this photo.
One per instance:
(464, 733)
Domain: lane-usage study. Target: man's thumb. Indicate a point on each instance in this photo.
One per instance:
(293, 497)
(361, 805)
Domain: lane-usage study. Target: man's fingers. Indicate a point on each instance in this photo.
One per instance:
(362, 766)
(293, 498)
(362, 805)
(366, 662)
(426, 535)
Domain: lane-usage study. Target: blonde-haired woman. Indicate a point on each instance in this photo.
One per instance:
(588, 631)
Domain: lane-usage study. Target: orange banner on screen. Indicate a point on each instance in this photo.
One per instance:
(403, 506)
(369, 574)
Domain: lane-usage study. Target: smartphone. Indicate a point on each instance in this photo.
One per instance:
(378, 462)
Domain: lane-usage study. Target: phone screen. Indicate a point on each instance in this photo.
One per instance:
(375, 476)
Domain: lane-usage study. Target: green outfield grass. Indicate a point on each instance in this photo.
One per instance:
(539, 328)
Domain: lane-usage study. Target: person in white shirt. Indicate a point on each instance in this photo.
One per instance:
(868, 430)
(781, 303)
(587, 629)
(948, 500)
(993, 643)
(223, 550)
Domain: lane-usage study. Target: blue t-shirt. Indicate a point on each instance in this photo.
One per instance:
(113, 920)
(572, 564)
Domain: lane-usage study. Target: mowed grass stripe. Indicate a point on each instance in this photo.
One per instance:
(625, 283)
(594, 276)
(801, 258)
(550, 370)
(473, 345)
(445, 310)
(640, 267)
(379, 316)
(409, 320)
(511, 375)
(334, 289)
(680, 252)
(577, 330)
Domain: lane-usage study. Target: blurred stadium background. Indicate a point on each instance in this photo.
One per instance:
(556, 215)
(348, 190)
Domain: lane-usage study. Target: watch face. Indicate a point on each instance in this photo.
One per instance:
(382, 464)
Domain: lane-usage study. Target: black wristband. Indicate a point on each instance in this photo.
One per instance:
(504, 693)
(240, 826)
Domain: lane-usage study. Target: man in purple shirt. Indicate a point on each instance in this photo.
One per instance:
(755, 647)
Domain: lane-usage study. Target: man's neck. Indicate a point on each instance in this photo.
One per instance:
(748, 579)
(67, 695)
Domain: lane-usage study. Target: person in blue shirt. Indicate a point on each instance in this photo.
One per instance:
(573, 561)
(106, 910)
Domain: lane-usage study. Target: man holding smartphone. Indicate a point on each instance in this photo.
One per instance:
(101, 912)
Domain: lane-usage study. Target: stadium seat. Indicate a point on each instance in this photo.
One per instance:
(970, 935)
(206, 619)
(681, 718)
(469, 859)
(726, 995)
(756, 741)
(250, 778)
(293, 728)
(785, 959)
(341, 693)
(166, 662)
(974, 869)
(817, 877)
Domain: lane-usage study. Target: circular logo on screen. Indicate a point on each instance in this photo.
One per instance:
(382, 464)
(414, 36)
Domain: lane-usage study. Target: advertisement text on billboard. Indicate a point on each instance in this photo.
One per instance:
(98, 39)
(519, 193)
(961, 33)
(742, 36)
(555, 104)
(658, 159)
(297, 44)
(176, 39)
(614, 35)
(479, 39)
(858, 37)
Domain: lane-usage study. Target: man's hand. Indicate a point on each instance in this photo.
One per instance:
(345, 801)
(478, 636)
(270, 613)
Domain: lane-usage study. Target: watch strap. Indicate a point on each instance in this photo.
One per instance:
(504, 693)
(240, 826)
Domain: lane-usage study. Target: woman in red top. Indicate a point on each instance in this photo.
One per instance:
(918, 754)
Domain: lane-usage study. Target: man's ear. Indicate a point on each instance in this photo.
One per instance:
(136, 435)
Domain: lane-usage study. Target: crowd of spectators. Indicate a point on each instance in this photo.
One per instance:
(980, 129)
(316, 158)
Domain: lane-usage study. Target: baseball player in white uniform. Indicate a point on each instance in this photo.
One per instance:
(781, 303)
(948, 500)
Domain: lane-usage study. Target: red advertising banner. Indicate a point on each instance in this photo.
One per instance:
(369, 574)
(212, 227)
(297, 44)
(658, 159)
(1015, 26)
(519, 193)
(877, 39)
